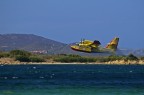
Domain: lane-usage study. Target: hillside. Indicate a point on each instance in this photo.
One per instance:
(28, 42)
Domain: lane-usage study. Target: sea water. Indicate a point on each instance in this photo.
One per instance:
(72, 79)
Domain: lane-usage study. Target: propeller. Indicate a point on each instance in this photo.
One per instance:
(82, 40)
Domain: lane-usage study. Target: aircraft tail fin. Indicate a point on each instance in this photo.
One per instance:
(113, 44)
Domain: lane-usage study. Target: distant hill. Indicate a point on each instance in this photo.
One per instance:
(36, 43)
(137, 52)
(28, 42)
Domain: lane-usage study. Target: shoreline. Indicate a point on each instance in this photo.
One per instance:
(11, 61)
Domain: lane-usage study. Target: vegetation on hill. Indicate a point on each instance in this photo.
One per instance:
(25, 56)
(22, 56)
(74, 58)
(77, 58)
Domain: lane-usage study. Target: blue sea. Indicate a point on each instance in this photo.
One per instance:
(71, 79)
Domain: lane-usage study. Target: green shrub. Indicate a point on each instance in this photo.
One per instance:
(14, 53)
(36, 59)
(4, 54)
(142, 58)
(73, 55)
(63, 59)
(22, 58)
(68, 59)
(114, 57)
(102, 59)
(131, 57)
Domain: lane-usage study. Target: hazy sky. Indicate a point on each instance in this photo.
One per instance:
(68, 21)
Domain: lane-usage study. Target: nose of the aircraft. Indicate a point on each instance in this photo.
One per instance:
(72, 47)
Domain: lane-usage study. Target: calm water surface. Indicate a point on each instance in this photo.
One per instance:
(72, 79)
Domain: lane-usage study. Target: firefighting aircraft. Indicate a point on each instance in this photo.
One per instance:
(94, 46)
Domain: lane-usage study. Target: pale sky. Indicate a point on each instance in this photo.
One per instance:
(68, 21)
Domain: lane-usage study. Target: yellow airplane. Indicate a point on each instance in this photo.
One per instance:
(94, 46)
